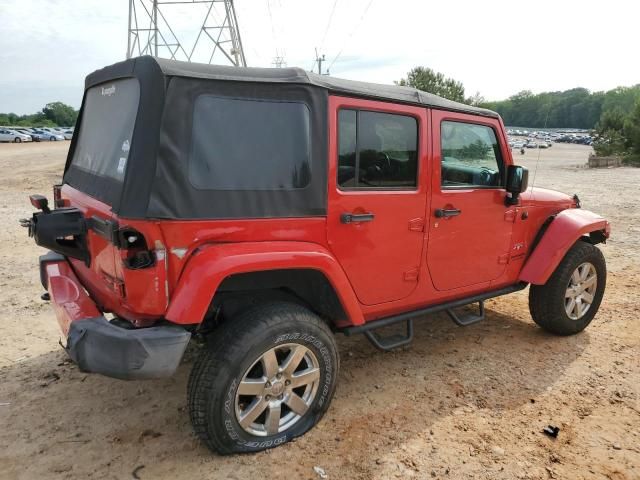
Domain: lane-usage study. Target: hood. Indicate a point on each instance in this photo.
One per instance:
(546, 197)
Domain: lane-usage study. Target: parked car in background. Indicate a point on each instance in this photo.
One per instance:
(7, 135)
(517, 145)
(46, 135)
(67, 134)
(531, 145)
(27, 131)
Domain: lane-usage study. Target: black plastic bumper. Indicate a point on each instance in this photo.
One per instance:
(99, 346)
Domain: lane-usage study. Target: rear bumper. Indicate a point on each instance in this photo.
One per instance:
(99, 346)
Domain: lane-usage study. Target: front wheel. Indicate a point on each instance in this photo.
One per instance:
(567, 303)
(52, 139)
(266, 378)
(17, 140)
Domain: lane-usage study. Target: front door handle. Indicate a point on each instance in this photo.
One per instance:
(447, 212)
(356, 217)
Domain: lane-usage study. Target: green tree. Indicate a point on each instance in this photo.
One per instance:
(610, 130)
(60, 113)
(475, 100)
(427, 80)
(631, 130)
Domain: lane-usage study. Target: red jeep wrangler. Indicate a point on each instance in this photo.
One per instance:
(261, 210)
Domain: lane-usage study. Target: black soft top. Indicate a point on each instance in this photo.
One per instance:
(395, 93)
(156, 182)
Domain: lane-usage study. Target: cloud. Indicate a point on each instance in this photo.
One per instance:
(497, 48)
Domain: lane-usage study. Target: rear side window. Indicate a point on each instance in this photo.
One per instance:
(470, 156)
(244, 144)
(108, 117)
(377, 150)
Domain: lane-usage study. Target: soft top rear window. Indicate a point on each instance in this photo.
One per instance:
(106, 128)
(246, 144)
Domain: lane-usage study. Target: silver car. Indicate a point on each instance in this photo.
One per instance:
(7, 135)
(48, 135)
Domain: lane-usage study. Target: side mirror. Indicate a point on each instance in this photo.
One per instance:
(517, 182)
(40, 202)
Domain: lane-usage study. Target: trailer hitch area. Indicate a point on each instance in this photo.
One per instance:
(41, 203)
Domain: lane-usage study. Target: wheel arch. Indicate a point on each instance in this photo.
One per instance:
(556, 237)
(301, 270)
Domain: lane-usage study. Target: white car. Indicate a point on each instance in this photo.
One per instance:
(7, 135)
(67, 134)
(25, 131)
(48, 135)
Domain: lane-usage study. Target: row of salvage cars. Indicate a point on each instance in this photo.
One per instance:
(25, 134)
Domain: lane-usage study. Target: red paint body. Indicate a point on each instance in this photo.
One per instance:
(404, 260)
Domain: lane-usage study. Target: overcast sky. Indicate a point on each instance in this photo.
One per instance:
(47, 47)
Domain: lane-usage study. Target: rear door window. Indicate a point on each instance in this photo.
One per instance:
(246, 144)
(377, 150)
(106, 128)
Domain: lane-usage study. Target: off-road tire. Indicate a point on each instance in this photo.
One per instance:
(238, 343)
(546, 302)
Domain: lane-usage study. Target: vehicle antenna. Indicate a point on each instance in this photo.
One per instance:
(535, 170)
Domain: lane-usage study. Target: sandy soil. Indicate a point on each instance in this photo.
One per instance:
(459, 403)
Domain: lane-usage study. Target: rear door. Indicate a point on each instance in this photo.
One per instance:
(98, 167)
(376, 198)
(470, 226)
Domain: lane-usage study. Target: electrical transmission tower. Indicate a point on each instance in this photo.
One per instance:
(218, 40)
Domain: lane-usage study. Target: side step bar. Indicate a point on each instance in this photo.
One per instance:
(469, 318)
(395, 341)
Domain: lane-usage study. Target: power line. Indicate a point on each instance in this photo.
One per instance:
(278, 60)
(273, 31)
(364, 14)
(326, 30)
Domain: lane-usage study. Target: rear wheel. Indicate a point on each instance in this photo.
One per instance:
(570, 299)
(266, 378)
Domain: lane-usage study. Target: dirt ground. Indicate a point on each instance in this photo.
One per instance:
(459, 403)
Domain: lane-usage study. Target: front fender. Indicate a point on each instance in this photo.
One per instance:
(211, 264)
(565, 229)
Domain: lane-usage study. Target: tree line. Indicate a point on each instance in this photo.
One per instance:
(54, 114)
(575, 108)
(614, 114)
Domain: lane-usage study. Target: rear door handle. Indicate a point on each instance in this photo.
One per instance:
(446, 213)
(356, 217)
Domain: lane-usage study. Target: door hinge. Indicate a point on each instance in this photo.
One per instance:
(416, 225)
(411, 275)
(504, 258)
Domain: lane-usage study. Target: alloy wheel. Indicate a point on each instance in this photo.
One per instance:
(580, 291)
(277, 390)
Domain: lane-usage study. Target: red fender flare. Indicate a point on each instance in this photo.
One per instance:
(565, 229)
(211, 264)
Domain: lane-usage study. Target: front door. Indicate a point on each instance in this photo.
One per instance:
(470, 226)
(377, 195)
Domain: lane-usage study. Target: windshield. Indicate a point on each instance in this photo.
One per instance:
(108, 117)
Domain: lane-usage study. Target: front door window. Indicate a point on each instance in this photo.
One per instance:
(470, 156)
